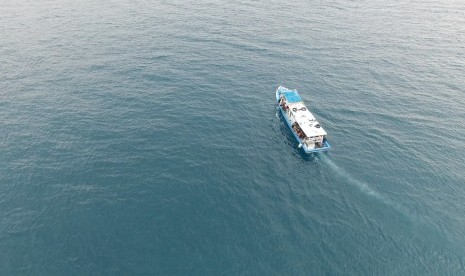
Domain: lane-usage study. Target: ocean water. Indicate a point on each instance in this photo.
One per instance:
(141, 137)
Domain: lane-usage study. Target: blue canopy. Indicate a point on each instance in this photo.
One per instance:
(291, 95)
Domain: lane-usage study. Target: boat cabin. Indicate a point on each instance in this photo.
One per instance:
(302, 121)
(311, 133)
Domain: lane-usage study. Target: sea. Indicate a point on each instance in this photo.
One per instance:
(142, 137)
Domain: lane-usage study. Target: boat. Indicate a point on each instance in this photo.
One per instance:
(306, 129)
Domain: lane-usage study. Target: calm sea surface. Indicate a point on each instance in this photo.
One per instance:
(141, 137)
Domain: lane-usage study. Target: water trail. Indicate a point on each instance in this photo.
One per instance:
(419, 224)
(362, 186)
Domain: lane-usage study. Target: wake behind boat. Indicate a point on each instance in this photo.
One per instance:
(306, 129)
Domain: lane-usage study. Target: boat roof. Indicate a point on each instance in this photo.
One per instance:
(291, 95)
(306, 120)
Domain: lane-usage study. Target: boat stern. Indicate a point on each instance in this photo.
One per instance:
(311, 149)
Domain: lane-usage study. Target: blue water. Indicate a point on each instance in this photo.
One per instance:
(141, 137)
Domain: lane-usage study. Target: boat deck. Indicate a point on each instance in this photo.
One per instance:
(302, 123)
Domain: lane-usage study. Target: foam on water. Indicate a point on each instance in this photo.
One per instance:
(362, 186)
(415, 222)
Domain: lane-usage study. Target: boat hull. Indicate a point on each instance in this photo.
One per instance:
(326, 145)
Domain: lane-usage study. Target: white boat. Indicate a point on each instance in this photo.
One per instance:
(306, 129)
